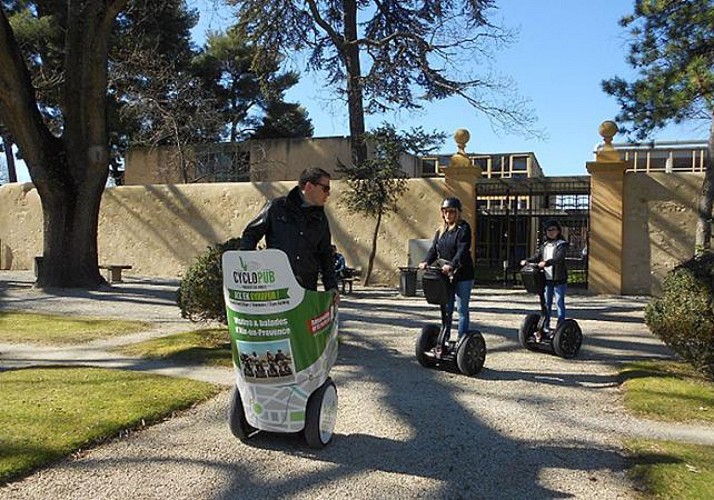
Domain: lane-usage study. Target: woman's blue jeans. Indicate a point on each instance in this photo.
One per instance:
(462, 295)
(559, 292)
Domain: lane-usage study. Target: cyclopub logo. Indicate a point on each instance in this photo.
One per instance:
(244, 276)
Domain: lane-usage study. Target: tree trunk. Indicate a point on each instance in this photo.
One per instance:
(10, 157)
(355, 104)
(703, 233)
(373, 250)
(70, 210)
(69, 172)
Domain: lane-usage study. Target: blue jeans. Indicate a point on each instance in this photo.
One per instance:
(559, 292)
(462, 295)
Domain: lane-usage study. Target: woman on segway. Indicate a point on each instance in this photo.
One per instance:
(452, 248)
(551, 258)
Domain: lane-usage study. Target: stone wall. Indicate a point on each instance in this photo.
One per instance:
(160, 229)
(20, 225)
(659, 224)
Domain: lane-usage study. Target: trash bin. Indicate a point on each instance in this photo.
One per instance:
(408, 281)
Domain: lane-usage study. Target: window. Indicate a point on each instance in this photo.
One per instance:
(519, 164)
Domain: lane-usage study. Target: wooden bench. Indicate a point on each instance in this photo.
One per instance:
(114, 271)
(345, 282)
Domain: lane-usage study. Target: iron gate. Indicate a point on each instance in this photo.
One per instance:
(510, 215)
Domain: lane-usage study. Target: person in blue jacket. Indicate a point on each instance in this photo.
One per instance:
(451, 249)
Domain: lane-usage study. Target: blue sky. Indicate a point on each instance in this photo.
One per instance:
(565, 48)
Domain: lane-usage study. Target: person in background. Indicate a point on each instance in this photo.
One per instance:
(451, 249)
(297, 225)
(551, 258)
(340, 264)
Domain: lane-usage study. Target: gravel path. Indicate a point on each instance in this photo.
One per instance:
(529, 426)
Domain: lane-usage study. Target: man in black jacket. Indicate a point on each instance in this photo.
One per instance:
(297, 225)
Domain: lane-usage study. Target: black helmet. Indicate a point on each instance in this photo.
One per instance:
(552, 223)
(451, 203)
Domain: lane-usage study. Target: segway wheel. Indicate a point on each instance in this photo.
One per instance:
(426, 341)
(567, 339)
(526, 333)
(236, 418)
(471, 353)
(321, 415)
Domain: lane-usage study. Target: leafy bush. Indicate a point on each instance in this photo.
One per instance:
(684, 316)
(200, 296)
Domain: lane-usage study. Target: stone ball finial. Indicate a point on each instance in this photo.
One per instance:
(461, 137)
(607, 130)
(607, 152)
(460, 159)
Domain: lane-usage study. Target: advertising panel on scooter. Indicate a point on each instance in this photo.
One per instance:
(283, 337)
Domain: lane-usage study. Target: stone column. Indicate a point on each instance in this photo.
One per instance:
(606, 215)
(461, 177)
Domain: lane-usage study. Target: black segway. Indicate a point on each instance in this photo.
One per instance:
(565, 340)
(433, 347)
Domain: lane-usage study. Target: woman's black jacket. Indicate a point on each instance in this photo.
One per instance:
(454, 246)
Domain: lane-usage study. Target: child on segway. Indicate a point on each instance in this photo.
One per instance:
(550, 257)
(545, 274)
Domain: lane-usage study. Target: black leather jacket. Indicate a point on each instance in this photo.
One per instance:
(299, 230)
(455, 247)
(560, 272)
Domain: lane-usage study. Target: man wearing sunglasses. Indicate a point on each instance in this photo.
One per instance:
(297, 225)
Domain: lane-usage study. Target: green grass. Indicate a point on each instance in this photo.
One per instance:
(49, 413)
(38, 328)
(672, 470)
(668, 391)
(210, 346)
(672, 392)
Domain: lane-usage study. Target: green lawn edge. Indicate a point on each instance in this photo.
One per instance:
(669, 391)
(47, 414)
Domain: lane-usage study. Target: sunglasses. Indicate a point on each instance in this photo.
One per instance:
(325, 187)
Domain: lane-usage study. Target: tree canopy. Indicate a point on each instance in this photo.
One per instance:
(62, 106)
(672, 49)
(249, 100)
(390, 53)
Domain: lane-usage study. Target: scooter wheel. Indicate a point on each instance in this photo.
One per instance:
(567, 339)
(471, 353)
(426, 341)
(527, 330)
(321, 415)
(236, 418)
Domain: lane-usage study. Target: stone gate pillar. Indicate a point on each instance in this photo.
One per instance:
(606, 215)
(461, 175)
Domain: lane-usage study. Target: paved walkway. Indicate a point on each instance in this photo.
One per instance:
(529, 426)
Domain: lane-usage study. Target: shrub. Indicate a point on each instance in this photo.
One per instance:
(200, 295)
(684, 316)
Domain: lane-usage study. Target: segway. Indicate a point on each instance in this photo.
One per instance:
(433, 347)
(565, 340)
(284, 342)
